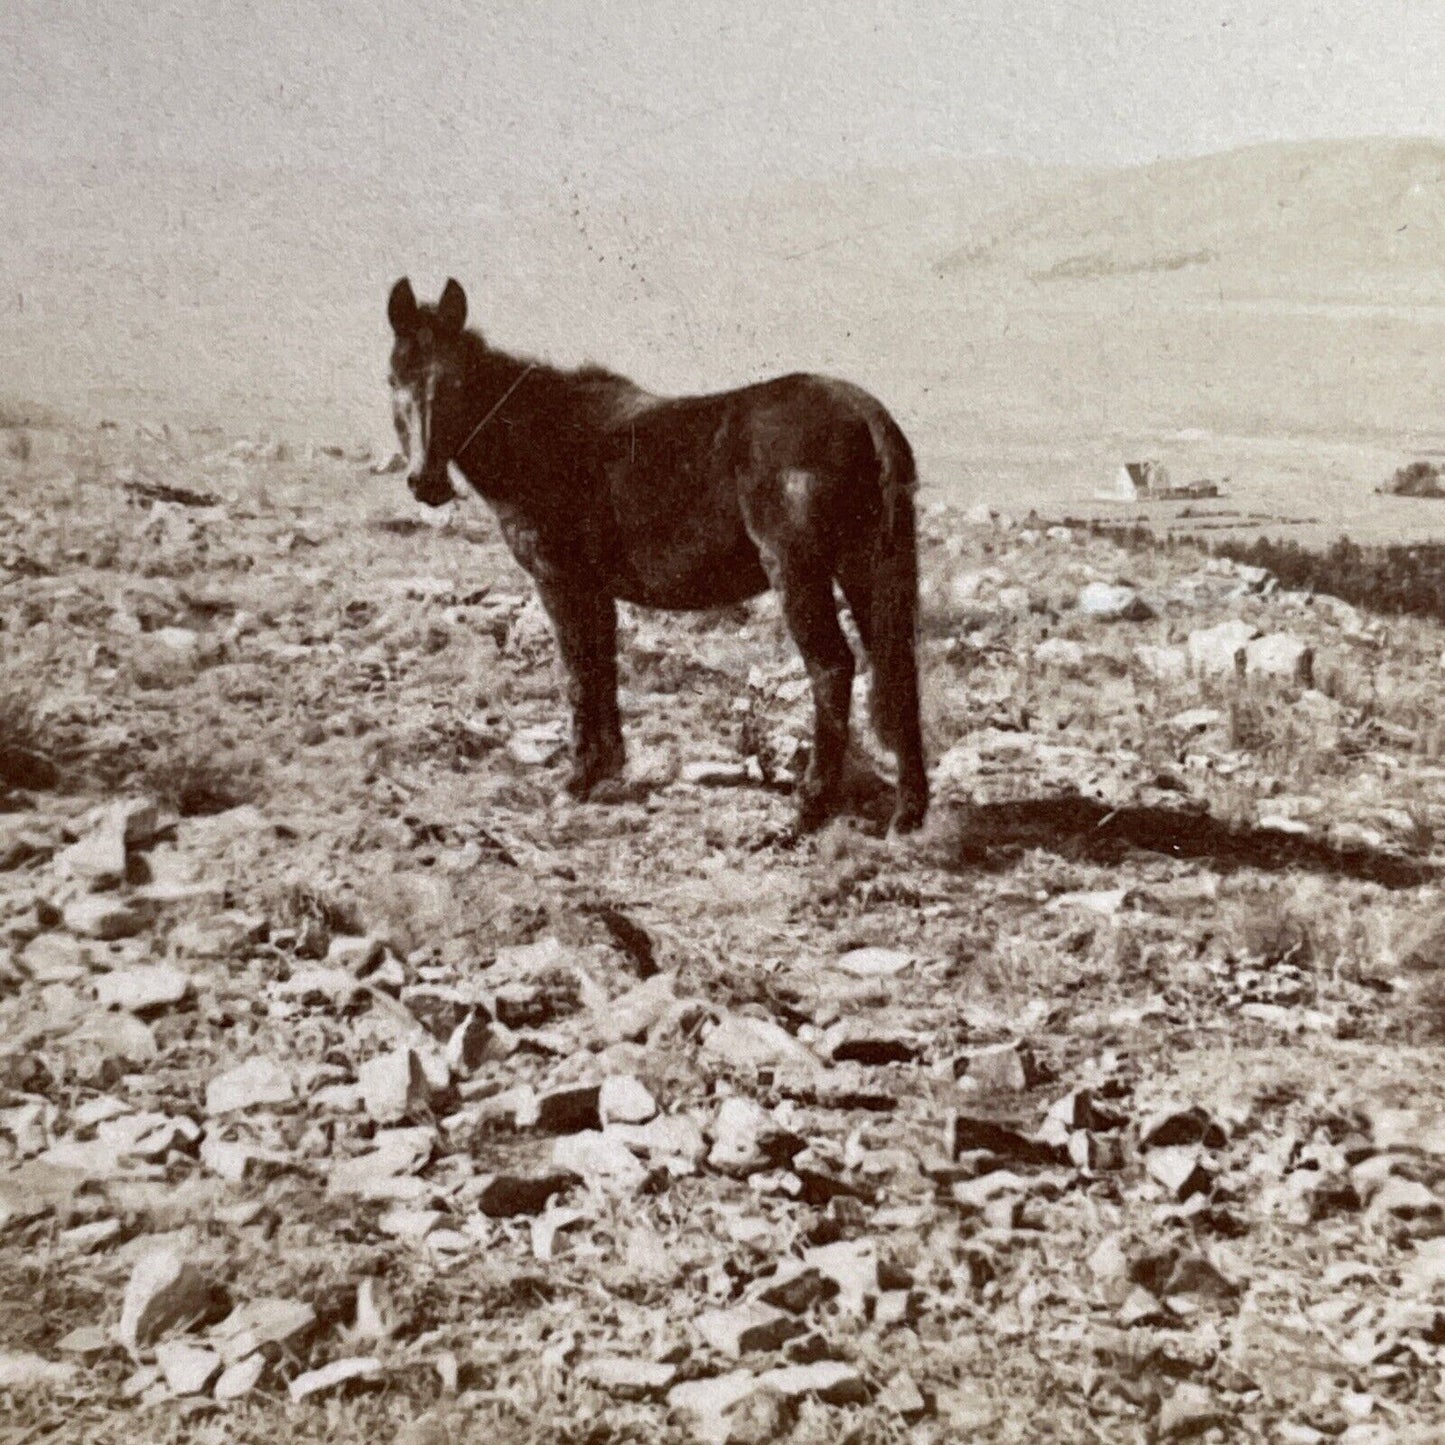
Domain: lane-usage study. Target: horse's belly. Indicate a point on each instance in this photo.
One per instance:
(685, 581)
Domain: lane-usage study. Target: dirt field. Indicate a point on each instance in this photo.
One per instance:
(1110, 1108)
(1127, 1129)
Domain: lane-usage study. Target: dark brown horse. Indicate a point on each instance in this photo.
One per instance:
(605, 492)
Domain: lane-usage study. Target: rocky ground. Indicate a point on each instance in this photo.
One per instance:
(354, 1087)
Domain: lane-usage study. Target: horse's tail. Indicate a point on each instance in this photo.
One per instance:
(893, 703)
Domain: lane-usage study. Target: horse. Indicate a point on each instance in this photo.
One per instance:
(605, 492)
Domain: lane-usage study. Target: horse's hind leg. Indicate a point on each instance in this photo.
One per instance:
(585, 624)
(905, 737)
(806, 594)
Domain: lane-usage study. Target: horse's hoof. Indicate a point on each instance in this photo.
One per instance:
(907, 818)
(812, 814)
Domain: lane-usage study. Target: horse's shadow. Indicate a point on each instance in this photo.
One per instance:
(989, 837)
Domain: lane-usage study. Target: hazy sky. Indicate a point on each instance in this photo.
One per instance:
(616, 95)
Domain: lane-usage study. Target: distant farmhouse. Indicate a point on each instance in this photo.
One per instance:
(1148, 481)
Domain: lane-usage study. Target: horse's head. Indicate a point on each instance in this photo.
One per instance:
(426, 386)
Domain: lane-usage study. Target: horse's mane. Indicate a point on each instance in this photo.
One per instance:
(613, 398)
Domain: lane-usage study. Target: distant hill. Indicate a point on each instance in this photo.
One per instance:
(1324, 206)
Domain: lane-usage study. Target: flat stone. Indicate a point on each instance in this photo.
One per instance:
(238, 1380)
(507, 1195)
(1179, 1169)
(620, 1375)
(103, 917)
(747, 1139)
(671, 1139)
(394, 1086)
(1112, 602)
(710, 1402)
(55, 958)
(873, 962)
(569, 1111)
(98, 858)
(715, 774)
(138, 990)
(747, 1327)
(164, 1291)
(746, 1043)
(395, 1153)
(260, 1322)
(21, 1370)
(1280, 655)
(86, 1340)
(1219, 651)
(602, 1159)
(259, 1082)
(1405, 1199)
(1059, 652)
(634, 1014)
(832, 1381)
(1188, 1411)
(623, 1099)
(1165, 664)
(188, 1369)
(852, 1265)
(998, 1069)
(901, 1396)
(330, 1377)
(225, 935)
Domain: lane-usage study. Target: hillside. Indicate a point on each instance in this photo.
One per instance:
(1351, 206)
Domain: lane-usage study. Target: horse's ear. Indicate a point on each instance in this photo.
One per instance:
(401, 308)
(452, 308)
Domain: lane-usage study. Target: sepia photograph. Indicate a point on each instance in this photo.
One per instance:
(718, 722)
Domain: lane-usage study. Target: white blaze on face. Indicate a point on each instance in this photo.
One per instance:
(412, 407)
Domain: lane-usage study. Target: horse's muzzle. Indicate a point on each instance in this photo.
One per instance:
(432, 489)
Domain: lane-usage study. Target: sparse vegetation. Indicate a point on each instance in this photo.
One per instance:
(1169, 889)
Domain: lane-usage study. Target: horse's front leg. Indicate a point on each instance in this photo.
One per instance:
(585, 624)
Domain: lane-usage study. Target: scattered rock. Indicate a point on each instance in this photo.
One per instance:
(238, 1380)
(394, 1087)
(568, 1111)
(165, 1291)
(601, 1158)
(260, 1322)
(1188, 1411)
(258, 1083)
(508, 1195)
(1109, 602)
(748, 1327)
(623, 1099)
(630, 1378)
(832, 1381)
(140, 990)
(1059, 652)
(746, 1043)
(1219, 651)
(747, 1139)
(873, 962)
(998, 1069)
(104, 917)
(188, 1369)
(1281, 655)
(20, 1370)
(330, 1377)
